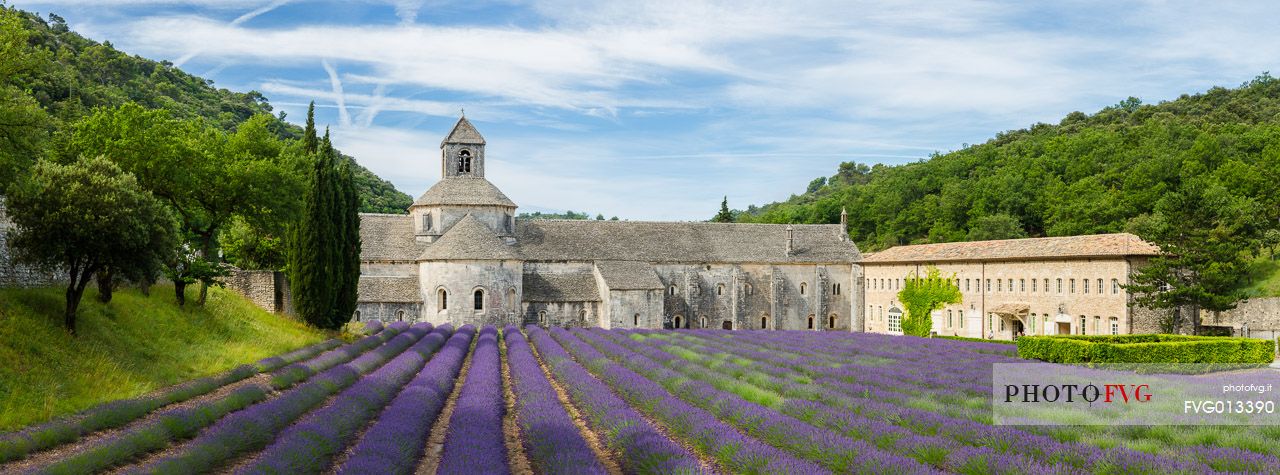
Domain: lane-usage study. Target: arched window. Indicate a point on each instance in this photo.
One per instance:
(479, 299)
(635, 320)
(512, 301)
(831, 321)
(672, 290)
(835, 289)
(748, 288)
(764, 322)
(464, 161)
(895, 319)
(582, 315)
(542, 317)
(1097, 322)
(442, 299)
(357, 315)
(802, 287)
(400, 316)
(719, 289)
(1115, 326)
(1032, 327)
(810, 321)
(703, 322)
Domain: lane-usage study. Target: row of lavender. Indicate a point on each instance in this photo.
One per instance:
(136, 440)
(114, 414)
(875, 406)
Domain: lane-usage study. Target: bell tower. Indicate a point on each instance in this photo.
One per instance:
(462, 152)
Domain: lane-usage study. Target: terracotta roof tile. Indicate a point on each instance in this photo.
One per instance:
(1098, 245)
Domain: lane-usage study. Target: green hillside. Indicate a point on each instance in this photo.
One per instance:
(1090, 173)
(131, 346)
(73, 75)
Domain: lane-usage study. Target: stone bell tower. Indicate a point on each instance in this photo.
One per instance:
(462, 152)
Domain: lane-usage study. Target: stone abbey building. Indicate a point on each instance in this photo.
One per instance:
(460, 256)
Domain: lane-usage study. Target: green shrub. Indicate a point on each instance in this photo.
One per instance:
(980, 340)
(1095, 349)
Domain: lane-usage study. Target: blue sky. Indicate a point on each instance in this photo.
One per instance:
(655, 110)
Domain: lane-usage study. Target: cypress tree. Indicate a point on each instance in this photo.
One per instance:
(313, 250)
(309, 142)
(348, 220)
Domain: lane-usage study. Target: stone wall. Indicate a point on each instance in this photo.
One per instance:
(269, 290)
(1260, 314)
(15, 275)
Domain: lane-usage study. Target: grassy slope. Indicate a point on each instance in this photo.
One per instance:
(126, 348)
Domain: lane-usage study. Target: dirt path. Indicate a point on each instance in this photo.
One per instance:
(516, 457)
(49, 456)
(607, 457)
(435, 442)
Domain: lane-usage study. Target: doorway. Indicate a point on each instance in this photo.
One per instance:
(727, 325)
(1064, 328)
(1017, 327)
(678, 321)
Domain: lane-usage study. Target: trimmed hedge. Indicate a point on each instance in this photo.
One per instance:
(979, 340)
(1146, 349)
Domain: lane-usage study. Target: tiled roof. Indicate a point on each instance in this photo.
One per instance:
(464, 191)
(463, 132)
(573, 287)
(656, 242)
(388, 237)
(1098, 245)
(389, 289)
(469, 239)
(628, 275)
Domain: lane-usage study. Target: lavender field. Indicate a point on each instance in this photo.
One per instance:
(423, 399)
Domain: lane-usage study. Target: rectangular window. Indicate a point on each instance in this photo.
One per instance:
(895, 322)
(1097, 321)
(1115, 286)
(1100, 287)
(1046, 285)
(1059, 286)
(1073, 286)
(1115, 326)
(999, 285)
(1033, 285)
(988, 285)
(1082, 323)
(966, 285)
(1086, 285)
(949, 322)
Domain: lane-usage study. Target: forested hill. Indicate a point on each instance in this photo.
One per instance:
(1090, 173)
(72, 74)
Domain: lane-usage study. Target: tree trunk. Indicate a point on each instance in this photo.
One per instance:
(105, 285)
(144, 286)
(208, 253)
(180, 291)
(1195, 319)
(73, 302)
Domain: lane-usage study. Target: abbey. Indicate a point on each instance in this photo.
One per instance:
(460, 256)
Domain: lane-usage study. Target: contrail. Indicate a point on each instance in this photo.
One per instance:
(236, 22)
(344, 118)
